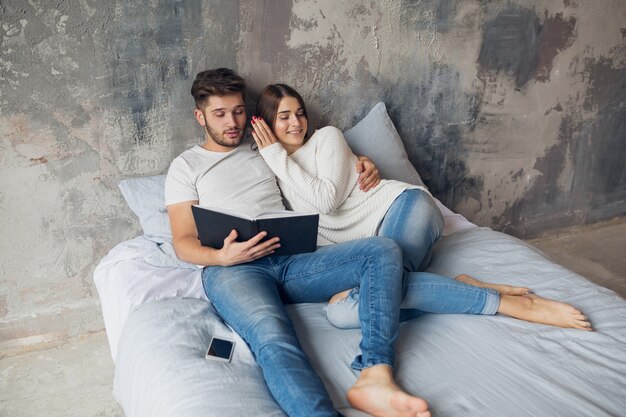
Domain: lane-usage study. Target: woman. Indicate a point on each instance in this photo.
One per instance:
(315, 174)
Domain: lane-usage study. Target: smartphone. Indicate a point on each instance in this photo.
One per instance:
(220, 349)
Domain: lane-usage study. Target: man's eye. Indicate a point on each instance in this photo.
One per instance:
(219, 114)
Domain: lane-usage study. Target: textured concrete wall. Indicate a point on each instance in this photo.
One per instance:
(513, 112)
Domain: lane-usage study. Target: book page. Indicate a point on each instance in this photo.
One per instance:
(272, 214)
(229, 212)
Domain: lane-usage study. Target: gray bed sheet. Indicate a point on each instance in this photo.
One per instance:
(463, 365)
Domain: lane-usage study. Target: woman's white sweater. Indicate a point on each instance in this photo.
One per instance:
(321, 177)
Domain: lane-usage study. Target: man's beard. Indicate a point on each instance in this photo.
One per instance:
(220, 140)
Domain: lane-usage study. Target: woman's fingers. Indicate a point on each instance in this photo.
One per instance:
(261, 132)
(261, 128)
(370, 181)
(369, 176)
(257, 140)
(260, 140)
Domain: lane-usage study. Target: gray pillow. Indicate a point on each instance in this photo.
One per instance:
(377, 138)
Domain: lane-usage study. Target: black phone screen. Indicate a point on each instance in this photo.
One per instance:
(220, 348)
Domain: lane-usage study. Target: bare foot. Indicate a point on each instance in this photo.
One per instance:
(376, 393)
(502, 289)
(338, 297)
(541, 310)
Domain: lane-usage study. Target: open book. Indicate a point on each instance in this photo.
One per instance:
(297, 231)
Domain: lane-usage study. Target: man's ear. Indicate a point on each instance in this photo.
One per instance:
(199, 117)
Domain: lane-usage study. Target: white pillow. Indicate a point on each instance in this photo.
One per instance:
(376, 137)
(146, 198)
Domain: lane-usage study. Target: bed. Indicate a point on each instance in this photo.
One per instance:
(159, 324)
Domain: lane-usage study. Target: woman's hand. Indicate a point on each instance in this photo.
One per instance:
(369, 177)
(261, 132)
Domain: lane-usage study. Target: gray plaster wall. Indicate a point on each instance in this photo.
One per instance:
(513, 113)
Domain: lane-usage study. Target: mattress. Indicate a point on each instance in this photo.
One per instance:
(463, 365)
(146, 269)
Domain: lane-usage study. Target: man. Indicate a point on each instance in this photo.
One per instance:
(248, 286)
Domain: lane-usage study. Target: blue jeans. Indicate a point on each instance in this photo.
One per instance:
(415, 223)
(249, 297)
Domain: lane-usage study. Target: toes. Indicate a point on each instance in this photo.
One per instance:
(583, 325)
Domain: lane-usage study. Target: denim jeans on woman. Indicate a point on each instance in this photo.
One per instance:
(415, 223)
(249, 297)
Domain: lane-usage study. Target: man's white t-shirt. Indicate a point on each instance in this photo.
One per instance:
(238, 180)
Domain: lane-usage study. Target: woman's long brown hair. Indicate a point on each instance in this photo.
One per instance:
(269, 99)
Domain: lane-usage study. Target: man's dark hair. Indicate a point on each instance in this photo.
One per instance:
(216, 82)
